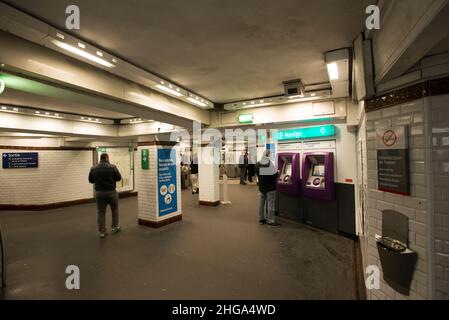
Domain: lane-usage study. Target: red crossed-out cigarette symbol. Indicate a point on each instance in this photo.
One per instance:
(389, 138)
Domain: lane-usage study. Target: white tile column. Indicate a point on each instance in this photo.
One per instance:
(159, 197)
(208, 176)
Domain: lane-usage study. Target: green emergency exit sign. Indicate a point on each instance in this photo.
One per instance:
(145, 159)
(246, 118)
(305, 133)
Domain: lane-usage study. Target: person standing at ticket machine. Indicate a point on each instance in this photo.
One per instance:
(267, 175)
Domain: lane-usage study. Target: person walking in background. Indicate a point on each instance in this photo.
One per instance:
(251, 168)
(243, 166)
(194, 175)
(105, 177)
(267, 176)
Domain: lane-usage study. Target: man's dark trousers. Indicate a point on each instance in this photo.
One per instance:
(105, 198)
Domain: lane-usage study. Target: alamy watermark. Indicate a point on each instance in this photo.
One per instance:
(73, 21)
(373, 20)
(72, 282)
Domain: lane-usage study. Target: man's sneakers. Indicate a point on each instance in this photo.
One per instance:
(116, 230)
(273, 224)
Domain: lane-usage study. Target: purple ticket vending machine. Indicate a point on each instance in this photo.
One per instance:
(289, 174)
(318, 176)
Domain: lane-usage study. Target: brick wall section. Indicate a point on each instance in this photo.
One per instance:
(440, 156)
(208, 176)
(61, 176)
(146, 181)
(414, 207)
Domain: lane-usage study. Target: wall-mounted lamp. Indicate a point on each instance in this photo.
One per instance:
(337, 62)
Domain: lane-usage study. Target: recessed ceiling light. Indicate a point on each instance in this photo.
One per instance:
(313, 94)
(82, 118)
(60, 36)
(4, 108)
(168, 90)
(195, 101)
(99, 53)
(16, 109)
(81, 45)
(82, 53)
(56, 115)
(37, 112)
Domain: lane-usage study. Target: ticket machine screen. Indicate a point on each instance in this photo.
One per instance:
(286, 173)
(318, 170)
(316, 177)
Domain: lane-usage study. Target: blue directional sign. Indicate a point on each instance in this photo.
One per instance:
(20, 160)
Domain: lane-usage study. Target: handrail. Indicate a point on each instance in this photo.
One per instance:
(2, 258)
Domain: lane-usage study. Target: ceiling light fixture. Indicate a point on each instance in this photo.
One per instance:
(197, 102)
(168, 90)
(82, 53)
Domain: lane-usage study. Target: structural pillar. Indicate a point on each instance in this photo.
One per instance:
(208, 175)
(158, 175)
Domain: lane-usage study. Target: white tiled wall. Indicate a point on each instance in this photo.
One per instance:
(61, 176)
(439, 111)
(414, 207)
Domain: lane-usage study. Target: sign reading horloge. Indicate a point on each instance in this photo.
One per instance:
(20, 160)
(393, 160)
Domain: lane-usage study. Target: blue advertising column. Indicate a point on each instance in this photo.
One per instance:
(159, 183)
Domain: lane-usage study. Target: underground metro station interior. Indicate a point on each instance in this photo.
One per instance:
(247, 150)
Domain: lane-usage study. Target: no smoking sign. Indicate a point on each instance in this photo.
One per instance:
(392, 138)
(389, 138)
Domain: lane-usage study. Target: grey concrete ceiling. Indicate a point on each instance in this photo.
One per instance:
(20, 98)
(225, 50)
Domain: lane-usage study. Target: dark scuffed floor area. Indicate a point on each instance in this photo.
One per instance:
(213, 253)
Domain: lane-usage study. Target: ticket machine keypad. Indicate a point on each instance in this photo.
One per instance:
(316, 182)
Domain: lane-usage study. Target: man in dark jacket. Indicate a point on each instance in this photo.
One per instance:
(243, 166)
(105, 176)
(267, 175)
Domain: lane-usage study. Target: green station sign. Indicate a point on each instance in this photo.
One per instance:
(305, 133)
(246, 118)
(145, 159)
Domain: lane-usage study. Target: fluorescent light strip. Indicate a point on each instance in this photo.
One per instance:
(332, 68)
(197, 102)
(82, 53)
(168, 90)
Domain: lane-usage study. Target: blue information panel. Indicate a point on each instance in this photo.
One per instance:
(20, 160)
(166, 168)
(272, 148)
